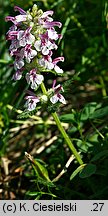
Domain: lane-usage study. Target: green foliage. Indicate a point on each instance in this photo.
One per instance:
(99, 155)
(88, 170)
(41, 171)
(100, 113)
(27, 114)
(77, 171)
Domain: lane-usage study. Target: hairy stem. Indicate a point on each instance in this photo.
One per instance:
(63, 132)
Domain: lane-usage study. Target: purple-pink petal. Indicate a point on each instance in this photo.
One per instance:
(16, 8)
(13, 32)
(10, 18)
(47, 13)
(54, 83)
(52, 24)
(56, 60)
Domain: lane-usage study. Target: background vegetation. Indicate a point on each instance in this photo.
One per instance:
(85, 116)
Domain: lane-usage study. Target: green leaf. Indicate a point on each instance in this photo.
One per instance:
(39, 193)
(100, 113)
(32, 193)
(77, 171)
(88, 110)
(83, 145)
(88, 170)
(26, 114)
(41, 170)
(67, 118)
(99, 155)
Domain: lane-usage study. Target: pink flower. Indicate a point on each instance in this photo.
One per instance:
(46, 17)
(52, 24)
(52, 34)
(56, 67)
(33, 38)
(18, 63)
(34, 79)
(25, 37)
(19, 60)
(31, 102)
(13, 47)
(46, 62)
(16, 8)
(11, 29)
(17, 75)
(17, 19)
(57, 96)
(29, 53)
(50, 64)
(45, 44)
(46, 14)
(47, 22)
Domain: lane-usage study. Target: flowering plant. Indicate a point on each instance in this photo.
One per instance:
(33, 39)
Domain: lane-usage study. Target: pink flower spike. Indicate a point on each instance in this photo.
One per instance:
(16, 8)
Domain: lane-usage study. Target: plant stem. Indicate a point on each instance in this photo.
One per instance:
(63, 132)
(104, 93)
(67, 139)
(43, 88)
